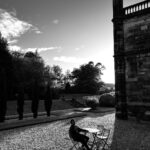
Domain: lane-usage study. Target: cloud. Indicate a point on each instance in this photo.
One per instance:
(70, 59)
(56, 21)
(18, 48)
(42, 49)
(80, 48)
(12, 41)
(36, 30)
(77, 49)
(12, 27)
(14, 48)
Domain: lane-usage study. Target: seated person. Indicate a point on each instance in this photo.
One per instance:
(75, 134)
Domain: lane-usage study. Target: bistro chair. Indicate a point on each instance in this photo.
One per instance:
(76, 145)
(101, 129)
(102, 139)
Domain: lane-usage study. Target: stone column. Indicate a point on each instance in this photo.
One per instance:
(119, 58)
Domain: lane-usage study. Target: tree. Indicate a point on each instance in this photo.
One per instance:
(57, 74)
(48, 99)
(3, 95)
(18, 72)
(67, 87)
(26, 68)
(67, 77)
(48, 75)
(87, 79)
(35, 99)
(5, 77)
(34, 69)
(20, 103)
(67, 80)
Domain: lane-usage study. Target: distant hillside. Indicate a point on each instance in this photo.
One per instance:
(111, 85)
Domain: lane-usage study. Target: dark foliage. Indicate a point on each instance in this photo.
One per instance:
(35, 99)
(26, 68)
(87, 79)
(75, 103)
(20, 103)
(67, 88)
(91, 103)
(55, 93)
(48, 100)
(5, 77)
(3, 95)
(107, 100)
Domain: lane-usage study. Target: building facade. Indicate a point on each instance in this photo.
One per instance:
(131, 55)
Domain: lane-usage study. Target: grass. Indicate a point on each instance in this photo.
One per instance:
(57, 105)
(125, 135)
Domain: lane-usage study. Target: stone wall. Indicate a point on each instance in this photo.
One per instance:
(137, 33)
(137, 40)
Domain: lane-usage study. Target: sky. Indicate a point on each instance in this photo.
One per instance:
(67, 33)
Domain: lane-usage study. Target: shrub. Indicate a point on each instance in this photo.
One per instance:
(91, 102)
(107, 100)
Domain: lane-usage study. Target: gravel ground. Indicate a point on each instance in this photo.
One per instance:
(125, 135)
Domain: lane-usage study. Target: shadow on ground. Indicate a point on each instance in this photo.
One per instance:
(130, 135)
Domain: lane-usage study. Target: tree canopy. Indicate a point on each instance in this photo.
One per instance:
(5, 76)
(87, 78)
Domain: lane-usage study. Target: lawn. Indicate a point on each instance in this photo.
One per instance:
(125, 135)
(57, 105)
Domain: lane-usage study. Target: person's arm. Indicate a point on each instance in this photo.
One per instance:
(81, 130)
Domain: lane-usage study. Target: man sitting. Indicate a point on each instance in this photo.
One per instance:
(75, 134)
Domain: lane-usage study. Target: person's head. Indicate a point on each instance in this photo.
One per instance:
(72, 122)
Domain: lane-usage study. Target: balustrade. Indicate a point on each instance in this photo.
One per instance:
(137, 7)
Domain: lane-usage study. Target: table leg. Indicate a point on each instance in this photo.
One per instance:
(94, 138)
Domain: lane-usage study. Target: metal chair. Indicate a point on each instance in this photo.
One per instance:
(101, 129)
(102, 139)
(76, 145)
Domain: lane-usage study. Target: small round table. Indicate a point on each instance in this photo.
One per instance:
(93, 131)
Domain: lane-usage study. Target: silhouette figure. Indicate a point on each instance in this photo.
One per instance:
(75, 134)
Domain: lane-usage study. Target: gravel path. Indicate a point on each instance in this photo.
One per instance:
(125, 135)
(49, 136)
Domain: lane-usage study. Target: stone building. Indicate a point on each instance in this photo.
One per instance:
(131, 55)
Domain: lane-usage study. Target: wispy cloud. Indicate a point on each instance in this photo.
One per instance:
(80, 48)
(43, 49)
(36, 30)
(14, 41)
(12, 27)
(18, 48)
(14, 48)
(70, 59)
(56, 21)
